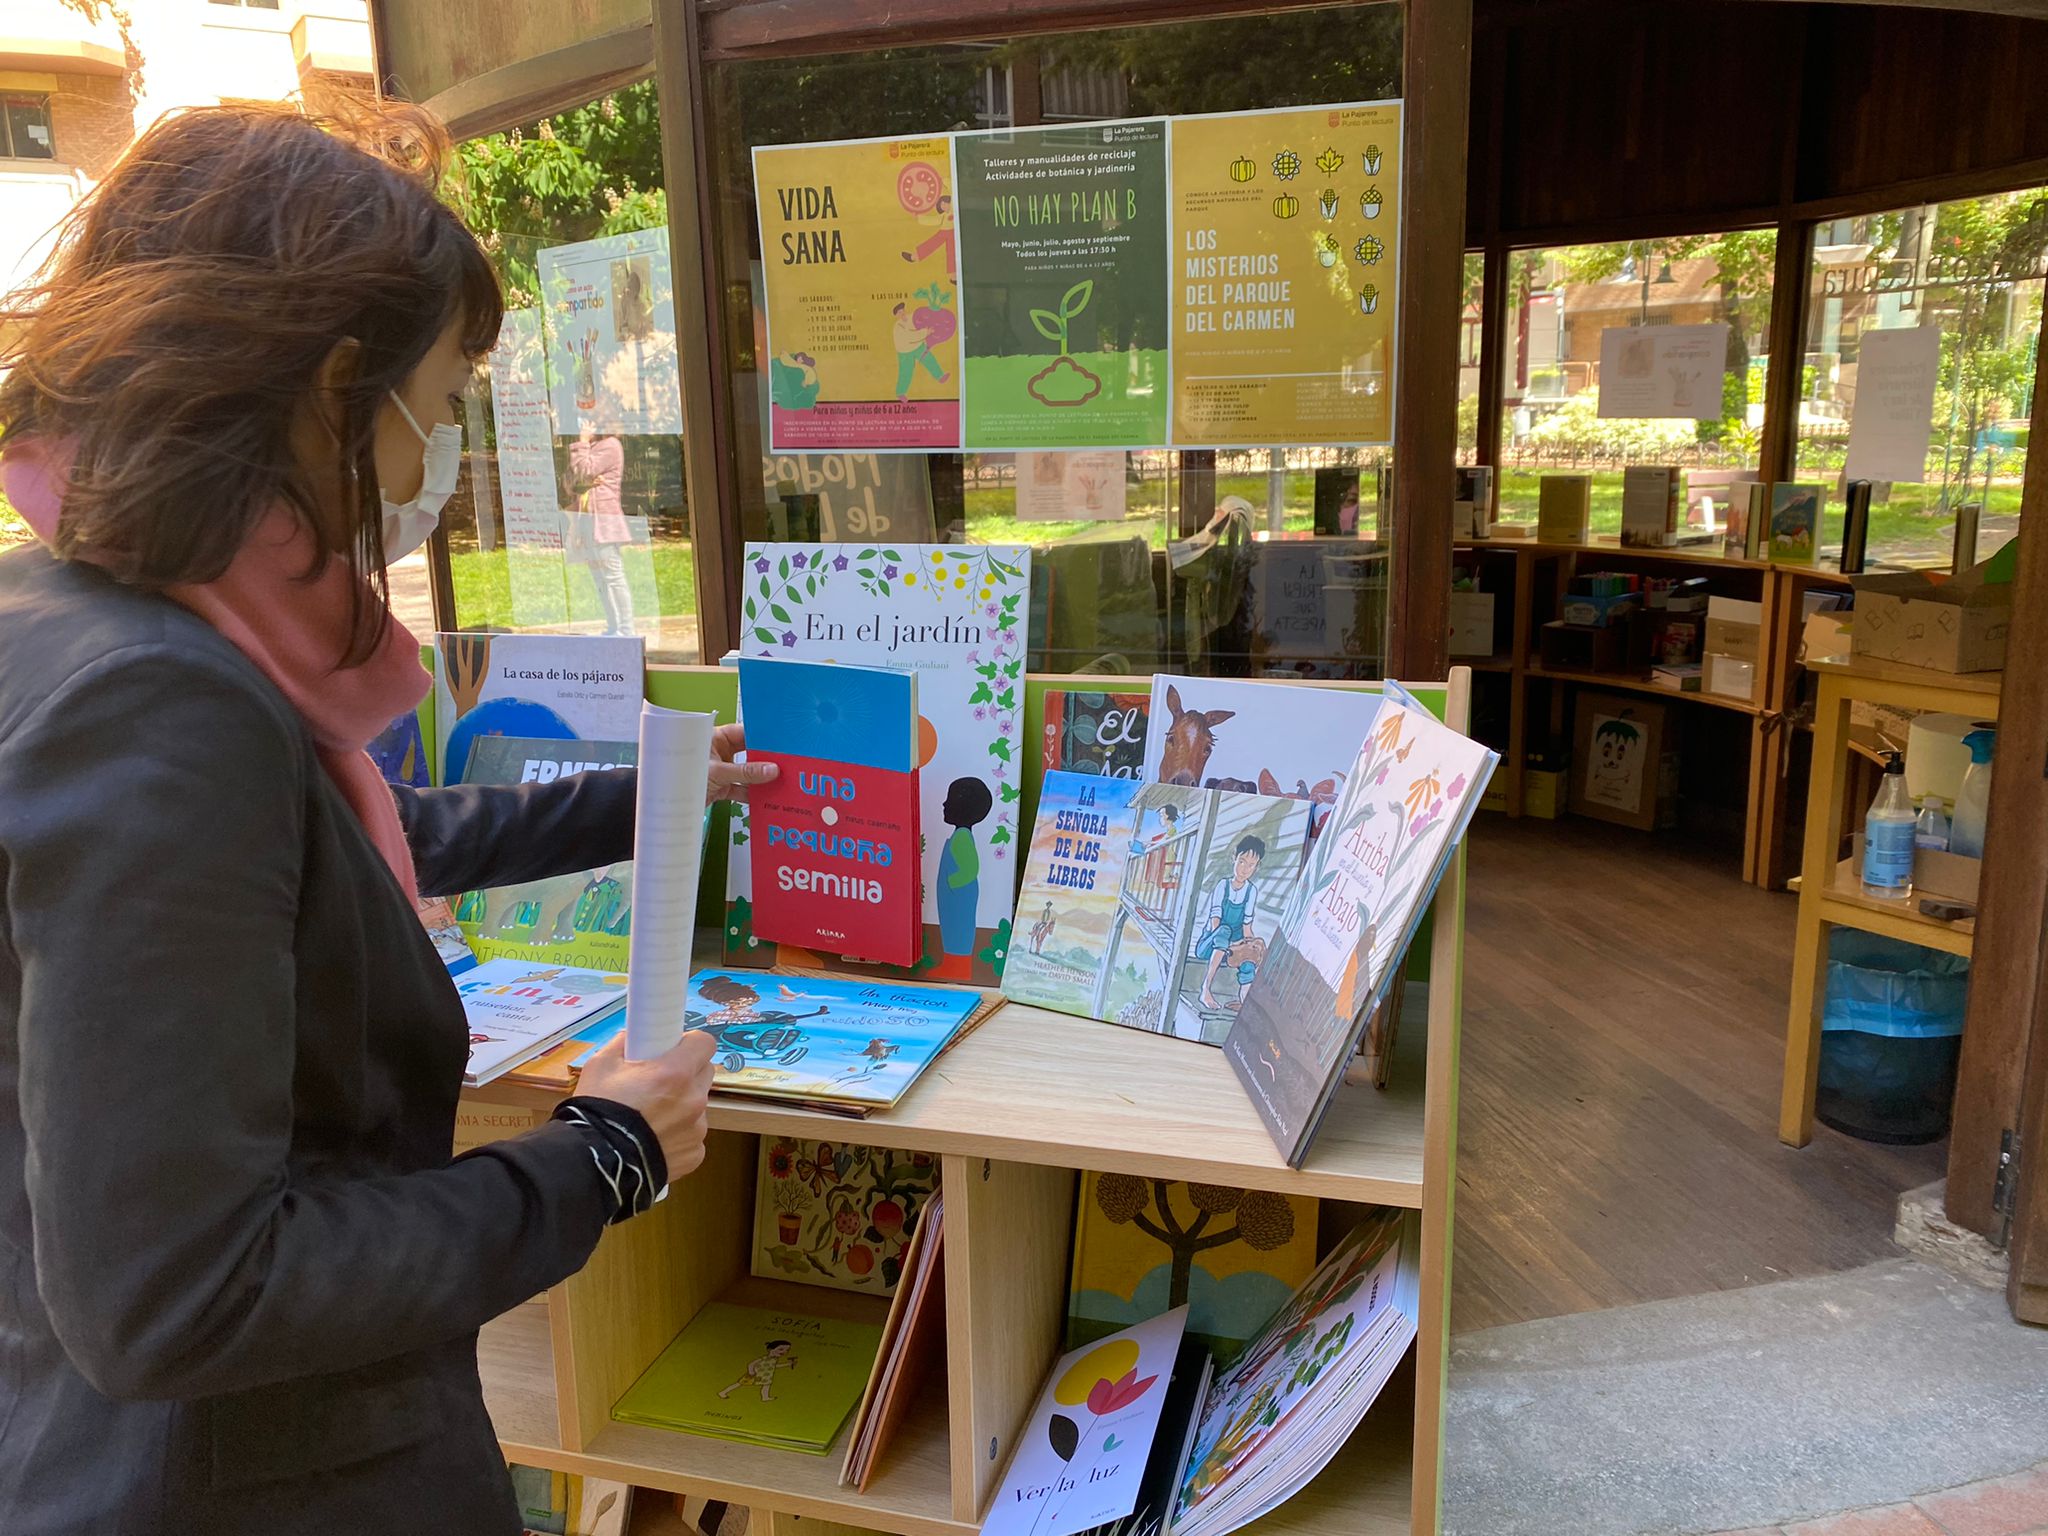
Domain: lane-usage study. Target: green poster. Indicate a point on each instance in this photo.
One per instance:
(1064, 286)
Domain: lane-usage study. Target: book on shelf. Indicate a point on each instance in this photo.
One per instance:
(1275, 1418)
(835, 1044)
(517, 1009)
(767, 1376)
(838, 1214)
(1795, 523)
(558, 687)
(1082, 1455)
(1649, 506)
(581, 919)
(1091, 732)
(1564, 509)
(1678, 676)
(833, 840)
(913, 1341)
(1748, 517)
(445, 933)
(563, 1504)
(1151, 905)
(1145, 1246)
(1261, 738)
(956, 613)
(1172, 1443)
(1346, 929)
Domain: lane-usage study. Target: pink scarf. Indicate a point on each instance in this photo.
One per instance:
(294, 630)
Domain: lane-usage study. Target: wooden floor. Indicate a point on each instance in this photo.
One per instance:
(1625, 1005)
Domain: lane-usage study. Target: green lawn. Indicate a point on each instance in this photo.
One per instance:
(12, 529)
(501, 588)
(991, 520)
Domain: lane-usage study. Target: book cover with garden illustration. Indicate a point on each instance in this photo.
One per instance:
(838, 1214)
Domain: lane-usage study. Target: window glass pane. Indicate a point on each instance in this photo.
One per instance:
(1468, 357)
(27, 129)
(572, 514)
(1267, 561)
(1973, 270)
(1561, 301)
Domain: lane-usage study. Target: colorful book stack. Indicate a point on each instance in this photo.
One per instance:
(834, 839)
(517, 1010)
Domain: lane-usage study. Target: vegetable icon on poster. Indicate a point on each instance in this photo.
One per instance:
(1285, 231)
(1064, 295)
(861, 276)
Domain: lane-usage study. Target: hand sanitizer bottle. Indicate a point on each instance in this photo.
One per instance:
(1973, 800)
(1931, 830)
(1888, 836)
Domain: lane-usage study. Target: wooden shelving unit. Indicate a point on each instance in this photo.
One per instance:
(1014, 1112)
(1829, 894)
(1534, 590)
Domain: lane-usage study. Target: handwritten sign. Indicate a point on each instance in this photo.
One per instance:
(1893, 415)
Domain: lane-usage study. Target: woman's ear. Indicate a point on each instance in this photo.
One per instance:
(337, 371)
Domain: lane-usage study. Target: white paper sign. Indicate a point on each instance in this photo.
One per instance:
(1070, 487)
(668, 851)
(1893, 416)
(1663, 370)
(612, 335)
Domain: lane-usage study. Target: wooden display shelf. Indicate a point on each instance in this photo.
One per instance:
(1829, 896)
(1687, 554)
(1628, 682)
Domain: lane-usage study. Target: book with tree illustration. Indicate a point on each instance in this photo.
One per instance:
(955, 613)
(758, 1375)
(839, 1045)
(1146, 1246)
(583, 919)
(547, 687)
(834, 839)
(1349, 921)
(1275, 1418)
(1257, 737)
(838, 1214)
(1151, 905)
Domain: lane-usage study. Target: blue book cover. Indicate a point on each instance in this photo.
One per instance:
(847, 1045)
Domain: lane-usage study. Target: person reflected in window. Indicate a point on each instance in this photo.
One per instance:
(598, 532)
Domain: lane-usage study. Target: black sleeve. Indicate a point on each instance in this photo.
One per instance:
(474, 835)
(152, 840)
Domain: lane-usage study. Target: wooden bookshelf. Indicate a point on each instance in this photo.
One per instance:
(1014, 1112)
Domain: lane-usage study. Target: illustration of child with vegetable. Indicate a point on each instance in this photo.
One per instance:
(913, 351)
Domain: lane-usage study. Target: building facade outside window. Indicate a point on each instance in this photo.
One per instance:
(25, 127)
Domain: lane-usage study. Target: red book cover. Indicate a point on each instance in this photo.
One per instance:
(834, 838)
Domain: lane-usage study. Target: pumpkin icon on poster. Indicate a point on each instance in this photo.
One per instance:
(1243, 169)
(1369, 205)
(1287, 165)
(1286, 206)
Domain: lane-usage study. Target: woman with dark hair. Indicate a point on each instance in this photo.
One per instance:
(240, 1279)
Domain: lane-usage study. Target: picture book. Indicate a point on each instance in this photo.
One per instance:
(1741, 534)
(400, 753)
(554, 687)
(1271, 1421)
(438, 918)
(1146, 1246)
(1564, 508)
(834, 839)
(913, 1340)
(838, 1214)
(1257, 737)
(516, 1010)
(1172, 1444)
(1152, 905)
(1349, 920)
(1795, 523)
(847, 1046)
(547, 1500)
(955, 613)
(1081, 1455)
(584, 919)
(756, 1375)
(1649, 506)
(1102, 733)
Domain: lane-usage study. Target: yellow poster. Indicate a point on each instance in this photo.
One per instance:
(861, 273)
(1286, 244)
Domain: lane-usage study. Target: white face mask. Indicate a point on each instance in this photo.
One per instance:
(409, 525)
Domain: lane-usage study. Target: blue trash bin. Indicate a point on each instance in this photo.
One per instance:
(1891, 1034)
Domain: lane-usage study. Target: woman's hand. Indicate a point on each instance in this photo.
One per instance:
(669, 1091)
(729, 780)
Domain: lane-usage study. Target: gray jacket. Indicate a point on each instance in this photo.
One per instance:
(240, 1280)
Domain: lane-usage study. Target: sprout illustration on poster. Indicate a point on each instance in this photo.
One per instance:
(1663, 371)
(1064, 286)
(1286, 245)
(861, 276)
(611, 335)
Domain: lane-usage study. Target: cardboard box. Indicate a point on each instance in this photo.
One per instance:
(1936, 872)
(1921, 620)
(1564, 508)
(1733, 677)
(1495, 797)
(1824, 635)
(1565, 647)
(1543, 793)
(1625, 761)
(1734, 628)
(1471, 624)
